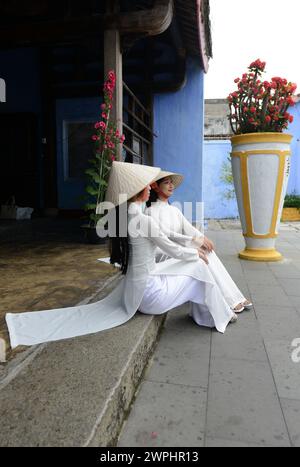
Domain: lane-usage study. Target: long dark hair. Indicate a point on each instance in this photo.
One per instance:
(153, 195)
(119, 247)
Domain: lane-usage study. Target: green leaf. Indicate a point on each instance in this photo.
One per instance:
(91, 190)
(91, 172)
(90, 206)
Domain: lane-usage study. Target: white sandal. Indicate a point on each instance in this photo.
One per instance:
(238, 310)
(248, 306)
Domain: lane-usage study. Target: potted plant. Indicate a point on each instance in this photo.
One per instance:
(291, 208)
(106, 139)
(260, 157)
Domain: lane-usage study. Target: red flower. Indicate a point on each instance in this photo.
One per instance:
(290, 101)
(291, 118)
(259, 103)
(112, 76)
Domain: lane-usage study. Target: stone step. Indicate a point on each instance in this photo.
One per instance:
(76, 392)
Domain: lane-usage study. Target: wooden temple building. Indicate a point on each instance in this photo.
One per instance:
(53, 59)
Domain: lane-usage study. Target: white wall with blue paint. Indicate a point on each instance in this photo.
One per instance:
(179, 124)
(215, 156)
(215, 190)
(294, 129)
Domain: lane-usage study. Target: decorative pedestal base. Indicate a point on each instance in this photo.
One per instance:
(261, 255)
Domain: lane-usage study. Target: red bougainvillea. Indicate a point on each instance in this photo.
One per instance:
(260, 106)
(106, 138)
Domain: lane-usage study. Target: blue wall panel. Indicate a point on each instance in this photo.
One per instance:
(178, 122)
(294, 129)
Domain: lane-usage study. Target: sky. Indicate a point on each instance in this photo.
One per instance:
(244, 30)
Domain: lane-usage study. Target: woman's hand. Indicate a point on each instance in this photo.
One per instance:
(208, 245)
(198, 241)
(202, 255)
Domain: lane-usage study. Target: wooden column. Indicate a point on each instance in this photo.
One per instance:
(113, 60)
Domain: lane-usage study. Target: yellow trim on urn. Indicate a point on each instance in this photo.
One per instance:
(262, 138)
(243, 155)
(261, 255)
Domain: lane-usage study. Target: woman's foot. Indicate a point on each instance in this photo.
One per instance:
(247, 305)
(239, 308)
(234, 319)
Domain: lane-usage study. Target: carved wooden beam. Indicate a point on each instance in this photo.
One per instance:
(149, 22)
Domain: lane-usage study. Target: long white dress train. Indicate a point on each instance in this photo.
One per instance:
(175, 226)
(135, 288)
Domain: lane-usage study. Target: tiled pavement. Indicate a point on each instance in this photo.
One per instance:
(238, 389)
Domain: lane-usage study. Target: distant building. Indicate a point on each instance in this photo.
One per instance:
(216, 123)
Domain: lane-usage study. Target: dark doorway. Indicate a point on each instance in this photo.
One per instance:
(18, 159)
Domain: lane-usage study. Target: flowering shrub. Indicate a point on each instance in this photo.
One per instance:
(260, 106)
(106, 139)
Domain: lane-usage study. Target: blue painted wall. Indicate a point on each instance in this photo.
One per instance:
(179, 124)
(294, 129)
(216, 205)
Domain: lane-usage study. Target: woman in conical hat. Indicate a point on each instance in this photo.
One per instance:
(151, 288)
(173, 223)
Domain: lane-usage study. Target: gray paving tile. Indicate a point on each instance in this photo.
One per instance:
(181, 359)
(281, 323)
(286, 372)
(291, 286)
(291, 410)
(290, 253)
(243, 404)
(166, 415)
(295, 301)
(241, 341)
(254, 265)
(225, 443)
(269, 295)
(260, 277)
(285, 271)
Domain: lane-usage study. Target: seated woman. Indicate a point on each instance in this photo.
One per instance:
(173, 223)
(152, 288)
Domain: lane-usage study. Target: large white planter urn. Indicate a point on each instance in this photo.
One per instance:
(261, 167)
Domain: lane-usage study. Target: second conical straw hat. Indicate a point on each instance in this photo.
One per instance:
(128, 179)
(176, 178)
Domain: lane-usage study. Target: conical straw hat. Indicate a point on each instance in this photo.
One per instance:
(128, 179)
(176, 178)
